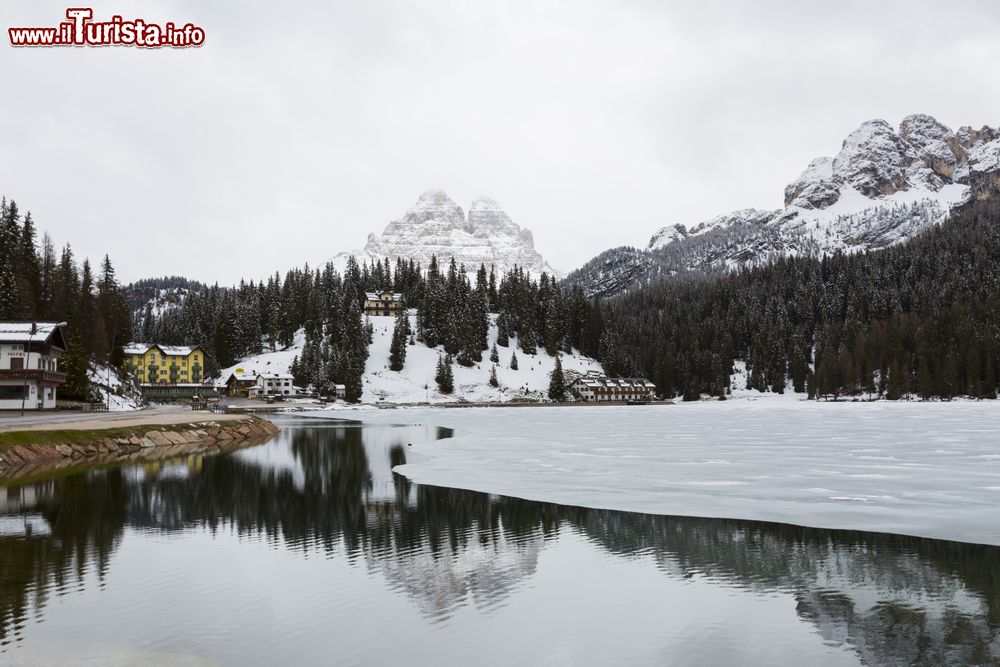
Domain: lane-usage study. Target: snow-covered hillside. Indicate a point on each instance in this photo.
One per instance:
(107, 387)
(268, 362)
(882, 187)
(436, 226)
(415, 383)
(530, 381)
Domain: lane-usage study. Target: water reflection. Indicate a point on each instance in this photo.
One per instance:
(328, 489)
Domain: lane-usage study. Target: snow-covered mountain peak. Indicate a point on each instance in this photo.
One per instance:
(436, 226)
(873, 160)
(487, 218)
(434, 206)
(882, 187)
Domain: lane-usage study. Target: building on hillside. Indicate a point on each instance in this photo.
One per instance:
(340, 391)
(29, 364)
(275, 384)
(600, 388)
(383, 303)
(240, 383)
(152, 363)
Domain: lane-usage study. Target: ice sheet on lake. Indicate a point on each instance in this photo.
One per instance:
(925, 469)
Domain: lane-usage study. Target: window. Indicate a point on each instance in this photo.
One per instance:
(11, 392)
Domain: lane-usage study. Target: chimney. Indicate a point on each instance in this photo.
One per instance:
(34, 328)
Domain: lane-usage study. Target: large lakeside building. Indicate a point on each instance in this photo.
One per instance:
(152, 363)
(29, 364)
(601, 388)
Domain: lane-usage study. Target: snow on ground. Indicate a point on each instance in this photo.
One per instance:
(925, 469)
(738, 388)
(268, 362)
(415, 383)
(111, 391)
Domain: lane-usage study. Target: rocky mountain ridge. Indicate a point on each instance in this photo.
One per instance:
(881, 188)
(437, 226)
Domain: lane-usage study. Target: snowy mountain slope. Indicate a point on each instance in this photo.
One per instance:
(530, 381)
(159, 294)
(277, 361)
(437, 226)
(881, 188)
(674, 233)
(415, 383)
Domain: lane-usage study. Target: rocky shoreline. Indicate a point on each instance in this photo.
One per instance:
(134, 443)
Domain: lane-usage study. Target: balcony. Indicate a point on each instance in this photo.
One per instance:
(33, 374)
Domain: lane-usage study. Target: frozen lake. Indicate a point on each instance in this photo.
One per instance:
(309, 550)
(923, 469)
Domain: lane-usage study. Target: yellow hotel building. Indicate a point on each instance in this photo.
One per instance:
(165, 364)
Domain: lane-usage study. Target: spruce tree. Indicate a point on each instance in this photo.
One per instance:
(557, 381)
(494, 354)
(397, 350)
(74, 364)
(443, 377)
(513, 360)
(493, 377)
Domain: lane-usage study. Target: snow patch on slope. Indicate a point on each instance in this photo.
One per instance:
(415, 383)
(108, 388)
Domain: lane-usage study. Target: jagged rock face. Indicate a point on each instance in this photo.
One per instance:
(814, 188)
(934, 145)
(435, 226)
(675, 233)
(668, 234)
(881, 188)
(984, 169)
(873, 160)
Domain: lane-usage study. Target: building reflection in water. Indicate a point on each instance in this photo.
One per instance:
(329, 488)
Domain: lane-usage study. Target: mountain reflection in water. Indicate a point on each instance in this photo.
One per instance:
(326, 489)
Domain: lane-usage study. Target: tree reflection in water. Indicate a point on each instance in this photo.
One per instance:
(328, 489)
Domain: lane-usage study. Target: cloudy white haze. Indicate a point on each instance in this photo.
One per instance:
(300, 127)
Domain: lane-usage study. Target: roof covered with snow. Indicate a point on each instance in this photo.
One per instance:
(601, 381)
(377, 296)
(22, 332)
(169, 350)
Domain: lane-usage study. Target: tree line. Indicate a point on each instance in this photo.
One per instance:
(921, 319)
(39, 284)
(453, 312)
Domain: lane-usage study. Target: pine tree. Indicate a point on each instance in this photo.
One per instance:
(557, 381)
(444, 376)
(513, 360)
(397, 350)
(493, 377)
(503, 330)
(74, 364)
(494, 354)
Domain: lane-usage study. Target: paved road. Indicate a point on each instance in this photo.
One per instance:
(163, 414)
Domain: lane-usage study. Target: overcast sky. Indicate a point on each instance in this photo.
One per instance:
(297, 130)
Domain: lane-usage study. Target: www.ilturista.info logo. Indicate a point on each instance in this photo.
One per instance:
(80, 30)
